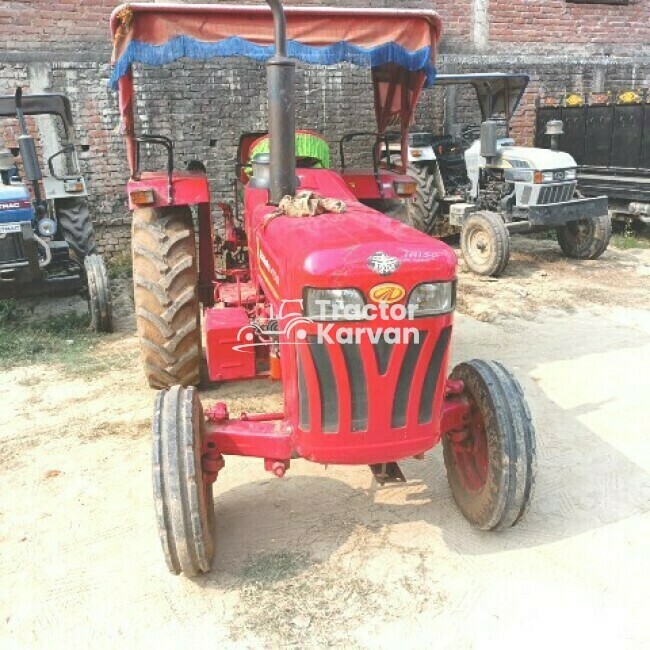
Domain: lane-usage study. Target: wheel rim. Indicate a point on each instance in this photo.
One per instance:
(470, 451)
(479, 245)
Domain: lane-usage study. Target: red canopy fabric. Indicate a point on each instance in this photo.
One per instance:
(398, 44)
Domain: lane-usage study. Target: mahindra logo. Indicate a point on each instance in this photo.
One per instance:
(389, 293)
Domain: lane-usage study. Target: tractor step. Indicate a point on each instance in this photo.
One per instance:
(387, 473)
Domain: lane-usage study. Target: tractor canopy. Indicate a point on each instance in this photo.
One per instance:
(46, 104)
(398, 45)
(497, 92)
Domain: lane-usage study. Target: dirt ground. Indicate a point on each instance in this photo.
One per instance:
(324, 557)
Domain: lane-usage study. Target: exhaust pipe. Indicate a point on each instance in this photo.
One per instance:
(28, 154)
(489, 149)
(281, 74)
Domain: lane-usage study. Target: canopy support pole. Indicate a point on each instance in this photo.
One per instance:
(126, 95)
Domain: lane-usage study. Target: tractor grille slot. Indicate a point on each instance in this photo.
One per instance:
(11, 248)
(556, 193)
(329, 398)
(358, 387)
(383, 350)
(318, 364)
(303, 398)
(401, 400)
(425, 413)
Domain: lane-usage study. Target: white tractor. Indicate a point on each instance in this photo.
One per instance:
(475, 181)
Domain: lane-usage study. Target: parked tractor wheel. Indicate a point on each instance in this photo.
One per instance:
(167, 308)
(422, 210)
(485, 243)
(99, 294)
(73, 215)
(491, 465)
(183, 500)
(586, 239)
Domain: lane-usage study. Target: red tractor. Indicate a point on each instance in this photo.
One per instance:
(352, 310)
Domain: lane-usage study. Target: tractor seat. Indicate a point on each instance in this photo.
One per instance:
(312, 149)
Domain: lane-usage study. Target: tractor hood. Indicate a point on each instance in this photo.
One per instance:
(360, 248)
(538, 159)
(15, 204)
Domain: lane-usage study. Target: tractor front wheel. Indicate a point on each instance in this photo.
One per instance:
(491, 464)
(165, 279)
(586, 239)
(485, 243)
(183, 499)
(99, 294)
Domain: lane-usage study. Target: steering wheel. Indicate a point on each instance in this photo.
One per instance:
(470, 134)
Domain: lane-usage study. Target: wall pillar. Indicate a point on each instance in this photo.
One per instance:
(480, 24)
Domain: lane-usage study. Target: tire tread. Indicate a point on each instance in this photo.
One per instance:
(166, 297)
(423, 210)
(185, 530)
(509, 489)
(99, 294)
(73, 215)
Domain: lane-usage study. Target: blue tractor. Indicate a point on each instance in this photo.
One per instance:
(47, 240)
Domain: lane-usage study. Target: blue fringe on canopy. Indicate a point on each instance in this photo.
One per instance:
(187, 47)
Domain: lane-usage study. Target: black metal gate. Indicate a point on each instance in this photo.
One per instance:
(609, 137)
(600, 131)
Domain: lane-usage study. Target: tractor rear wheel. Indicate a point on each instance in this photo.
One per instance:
(167, 309)
(422, 209)
(183, 500)
(491, 465)
(99, 294)
(586, 239)
(485, 243)
(77, 229)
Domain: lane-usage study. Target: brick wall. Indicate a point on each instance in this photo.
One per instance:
(63, 45)
(601, 27)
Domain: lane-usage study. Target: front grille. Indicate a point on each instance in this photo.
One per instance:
(556, 193)
(11, 248)
(344, 383)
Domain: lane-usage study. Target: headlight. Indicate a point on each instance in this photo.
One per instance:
(570, 174)
(432, 298)
(46, 227)
(519, 175)
(334, 304)
(73, 186)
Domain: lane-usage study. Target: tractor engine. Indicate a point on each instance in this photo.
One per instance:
(495, 194)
